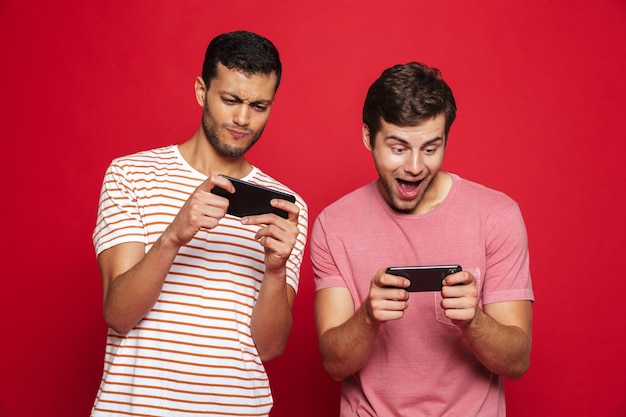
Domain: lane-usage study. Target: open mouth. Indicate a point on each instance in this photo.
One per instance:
(408, 189)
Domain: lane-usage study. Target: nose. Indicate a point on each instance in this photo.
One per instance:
(242, 115)
(414, 164)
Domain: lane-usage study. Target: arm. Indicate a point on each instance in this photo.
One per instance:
(346, 336)
(271, 318)
(132, 280)
(499, 335)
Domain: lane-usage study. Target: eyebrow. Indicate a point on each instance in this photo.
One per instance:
(240, 100)
(428, 142)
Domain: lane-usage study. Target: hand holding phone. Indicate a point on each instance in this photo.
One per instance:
(251, 199)
(424, 278)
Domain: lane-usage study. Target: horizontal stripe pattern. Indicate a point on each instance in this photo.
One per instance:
(193, 353)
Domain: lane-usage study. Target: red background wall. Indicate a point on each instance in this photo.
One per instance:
(540, 88)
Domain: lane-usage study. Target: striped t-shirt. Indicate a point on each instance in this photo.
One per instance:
(193, 353)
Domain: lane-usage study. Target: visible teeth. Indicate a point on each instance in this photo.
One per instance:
(408, 188)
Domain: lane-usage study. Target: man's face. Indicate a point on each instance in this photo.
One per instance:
(408, 159)
(236, 109)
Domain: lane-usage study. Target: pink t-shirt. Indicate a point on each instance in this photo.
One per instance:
(421, 365)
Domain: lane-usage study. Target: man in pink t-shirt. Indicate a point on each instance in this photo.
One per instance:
(430, 353)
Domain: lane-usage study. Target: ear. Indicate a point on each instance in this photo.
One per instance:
(365, 133)
(200, 90)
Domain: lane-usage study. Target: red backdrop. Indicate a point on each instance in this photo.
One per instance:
(541, 91)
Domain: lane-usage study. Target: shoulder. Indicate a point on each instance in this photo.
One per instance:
(481, 194)
(351, 203)
(162, 165)
(258, 177)
(157, 162)
(487, 205)
(166, 153)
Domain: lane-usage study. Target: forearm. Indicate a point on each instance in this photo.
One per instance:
(347, 348)
(271, 318)
(129, 296)
(503, 349)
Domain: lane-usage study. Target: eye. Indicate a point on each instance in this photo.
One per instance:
(431, 150)
(259, 107)
(398, 150)
(228, 101)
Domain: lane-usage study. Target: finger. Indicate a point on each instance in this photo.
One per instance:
(265, 242)
(386, 310)
(278, 224)
(215, 191)
(202, 208)
(387, 280)
(217, 181)
(204, 216)
(459, 291)
(459, 278)
(293, 211)
(390, 305)
(204, 202)
(458, 303)
(269, 230)
(395, 294)
(275, 239)
(386, 315)
(460, 317)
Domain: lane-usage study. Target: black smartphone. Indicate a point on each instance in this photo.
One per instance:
(424, 278)
(251, 199)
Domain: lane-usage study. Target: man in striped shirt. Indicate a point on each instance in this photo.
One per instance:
(197, 299)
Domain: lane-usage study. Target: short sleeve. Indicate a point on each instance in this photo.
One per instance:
(119, 219)
(324, 265)
(507, 275)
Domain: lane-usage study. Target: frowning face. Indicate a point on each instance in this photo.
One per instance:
(236, 108)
